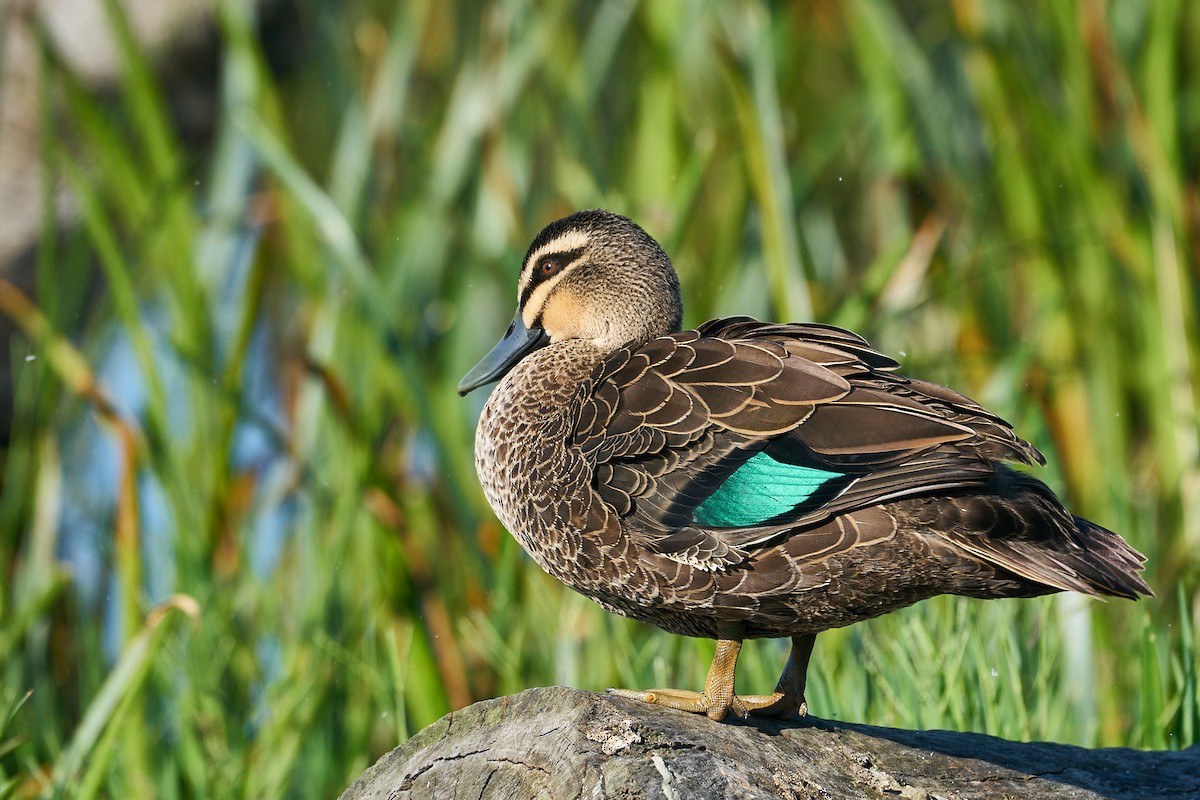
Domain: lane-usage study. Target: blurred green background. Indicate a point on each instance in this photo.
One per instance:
(242, 546)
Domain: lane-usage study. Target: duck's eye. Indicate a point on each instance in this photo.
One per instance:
(549, 266)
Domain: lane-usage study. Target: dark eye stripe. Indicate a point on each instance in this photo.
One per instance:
(538, 277)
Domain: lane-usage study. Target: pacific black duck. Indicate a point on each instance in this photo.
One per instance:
(748, 479)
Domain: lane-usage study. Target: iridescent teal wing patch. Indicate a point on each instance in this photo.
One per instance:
(762, 490)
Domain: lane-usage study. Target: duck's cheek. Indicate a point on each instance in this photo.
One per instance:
(564, 316)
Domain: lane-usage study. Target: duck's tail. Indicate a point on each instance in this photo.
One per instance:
(1018, 524)
(1110, 565)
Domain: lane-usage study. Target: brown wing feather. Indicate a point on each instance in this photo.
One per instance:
(662, 418)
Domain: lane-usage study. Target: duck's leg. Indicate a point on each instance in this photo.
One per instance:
(789, 692)
(718, 697)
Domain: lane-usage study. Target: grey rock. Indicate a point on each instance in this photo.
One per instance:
(562, 743)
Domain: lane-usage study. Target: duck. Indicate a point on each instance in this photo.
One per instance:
(748, 479)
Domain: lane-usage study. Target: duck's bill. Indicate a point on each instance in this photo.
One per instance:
(518, 341)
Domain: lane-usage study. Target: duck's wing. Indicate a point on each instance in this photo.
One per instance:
(717, 442)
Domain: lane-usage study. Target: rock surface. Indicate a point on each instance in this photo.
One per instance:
(561, 743)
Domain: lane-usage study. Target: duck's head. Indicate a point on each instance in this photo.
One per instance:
(594, 276)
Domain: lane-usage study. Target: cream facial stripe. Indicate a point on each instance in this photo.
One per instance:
(535, 303)
(564, 243)
(534, 289)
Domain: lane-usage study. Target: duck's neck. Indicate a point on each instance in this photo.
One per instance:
(527, 467)
(542, 385)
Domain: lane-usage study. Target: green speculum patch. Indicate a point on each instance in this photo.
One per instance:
(761, 490)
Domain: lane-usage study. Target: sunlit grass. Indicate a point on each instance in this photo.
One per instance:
(254, 414)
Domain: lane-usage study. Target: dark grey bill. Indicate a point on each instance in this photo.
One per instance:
(517, 341)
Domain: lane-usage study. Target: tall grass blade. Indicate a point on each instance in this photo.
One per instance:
(108, 711)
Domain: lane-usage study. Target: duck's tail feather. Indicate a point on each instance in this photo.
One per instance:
(1018, 524)
(1112, 567)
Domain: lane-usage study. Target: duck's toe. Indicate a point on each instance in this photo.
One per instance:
(678, 699)
(778, 704)
(781, 705)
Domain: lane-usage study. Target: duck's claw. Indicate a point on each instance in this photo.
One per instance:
(718, 698)
(769, 705)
